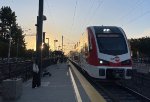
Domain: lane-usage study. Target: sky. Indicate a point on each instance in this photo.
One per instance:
(71, 17)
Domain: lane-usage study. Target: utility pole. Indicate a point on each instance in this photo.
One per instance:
(10, 39)
(55, 44)
(62, 43)
(39, 38)
(62, 48)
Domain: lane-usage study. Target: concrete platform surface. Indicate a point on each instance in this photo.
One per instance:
(57, 88)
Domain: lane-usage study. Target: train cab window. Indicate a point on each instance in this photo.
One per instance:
(113, 44)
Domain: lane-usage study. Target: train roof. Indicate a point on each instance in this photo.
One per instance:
(108, 29)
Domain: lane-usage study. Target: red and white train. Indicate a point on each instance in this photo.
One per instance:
(103, 52)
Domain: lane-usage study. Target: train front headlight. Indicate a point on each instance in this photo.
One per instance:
(103, 62)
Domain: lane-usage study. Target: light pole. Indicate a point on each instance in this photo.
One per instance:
(48, 47)
(10, 38)
(55, 44)
(39, 28)
(8, 59)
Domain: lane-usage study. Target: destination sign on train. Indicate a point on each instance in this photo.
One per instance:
(107, 35)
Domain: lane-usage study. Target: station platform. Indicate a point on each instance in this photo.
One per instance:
(62, 86)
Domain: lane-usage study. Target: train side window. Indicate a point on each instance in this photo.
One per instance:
(90, 43)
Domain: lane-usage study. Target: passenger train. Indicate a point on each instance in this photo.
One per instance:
(104, 53)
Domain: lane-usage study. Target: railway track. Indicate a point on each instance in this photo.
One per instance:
(119, 93)
(113, 91)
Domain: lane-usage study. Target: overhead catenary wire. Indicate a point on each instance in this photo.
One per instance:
(92, 5)
(74, 14)
(138, 17)
(90, 14)
(50, 11)
(51, 15)
(73, 20)
(89, 11)
(134, 19)
(137, 4)
(68, 40)
(94, 13)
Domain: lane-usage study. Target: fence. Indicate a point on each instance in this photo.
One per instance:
(21, 69)
(140, 82)
(142, 67)
(15, 70)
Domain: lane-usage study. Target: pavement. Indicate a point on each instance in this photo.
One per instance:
(56, 88)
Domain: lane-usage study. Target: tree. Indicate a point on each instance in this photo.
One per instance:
(10, 28)
(8, 19)
(29, 54)
(141, 45)
(3, 48)
(18, 41)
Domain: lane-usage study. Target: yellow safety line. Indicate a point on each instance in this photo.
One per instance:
(89, 89)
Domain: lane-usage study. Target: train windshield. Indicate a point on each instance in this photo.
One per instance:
(113, 44)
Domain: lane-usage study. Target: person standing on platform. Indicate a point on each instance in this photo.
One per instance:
(35, 79)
